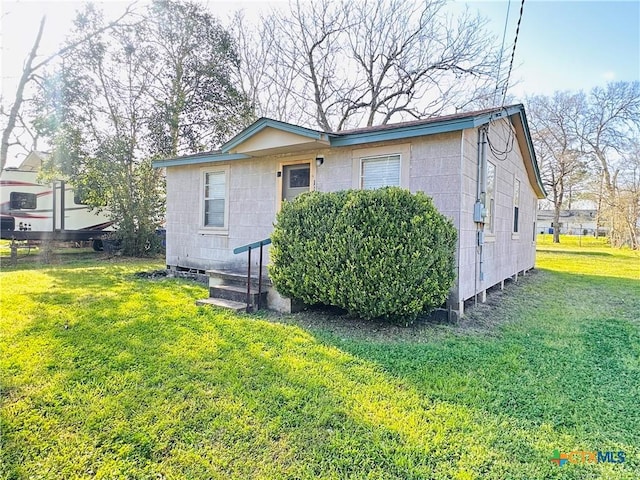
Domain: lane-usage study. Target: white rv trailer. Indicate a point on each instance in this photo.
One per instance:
(33, 211)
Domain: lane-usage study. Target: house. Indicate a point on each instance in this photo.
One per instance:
(572, 222)
(479, 167)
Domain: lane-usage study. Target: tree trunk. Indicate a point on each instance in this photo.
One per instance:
(556, 223)
(27, 71)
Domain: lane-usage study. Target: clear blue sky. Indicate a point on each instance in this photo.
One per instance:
(569, 45)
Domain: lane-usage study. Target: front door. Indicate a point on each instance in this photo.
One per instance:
(296, 179)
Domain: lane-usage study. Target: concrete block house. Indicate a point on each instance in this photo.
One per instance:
(479, 167)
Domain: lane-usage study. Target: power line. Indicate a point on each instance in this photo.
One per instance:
(501, 154)
(513, 54)
(504, 36)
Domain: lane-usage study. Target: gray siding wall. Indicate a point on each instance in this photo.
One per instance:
(504, 253)
(252, 204)
(444, 166)
(253, 195)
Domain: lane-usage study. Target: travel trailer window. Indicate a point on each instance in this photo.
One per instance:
(23, 201)
(377, 172)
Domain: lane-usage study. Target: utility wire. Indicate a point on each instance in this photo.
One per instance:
(504, 36)
(502, 154)
(513, 54)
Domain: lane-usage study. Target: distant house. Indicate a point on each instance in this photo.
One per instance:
(479, 167)
(572, 222)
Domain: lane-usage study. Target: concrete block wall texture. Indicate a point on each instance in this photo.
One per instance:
(504, 253)
(336, 173)
(443, 166)
(252, 206)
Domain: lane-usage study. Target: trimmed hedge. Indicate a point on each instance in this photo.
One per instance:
(376, 253)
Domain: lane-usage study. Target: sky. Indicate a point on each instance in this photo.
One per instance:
(562, 45)
(569, 45)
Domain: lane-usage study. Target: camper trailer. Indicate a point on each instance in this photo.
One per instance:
(33, 211)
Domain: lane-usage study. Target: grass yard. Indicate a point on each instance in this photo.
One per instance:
(107, 375)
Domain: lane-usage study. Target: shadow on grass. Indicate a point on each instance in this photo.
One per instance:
(143, 383)
(564, 350)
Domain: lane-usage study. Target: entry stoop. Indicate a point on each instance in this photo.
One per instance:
(228, 289)
(222, 303)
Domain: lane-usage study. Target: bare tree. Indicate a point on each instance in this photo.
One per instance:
(628, 196)
(309, 44)
(412, 58)
(607, 123)
(608, 127)
(268, 88)
(597, 133)
(29, 74)
(338, 64)
(557, 146)
(14, 111)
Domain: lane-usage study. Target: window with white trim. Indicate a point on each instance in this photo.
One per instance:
(380, 171)
(490, 197)
(516, 205)
(215, 199)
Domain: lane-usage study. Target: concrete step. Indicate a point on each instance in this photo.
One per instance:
(223, 303)
(237, 278)
(237, 294)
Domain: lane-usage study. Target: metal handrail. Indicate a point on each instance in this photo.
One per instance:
(247, 248)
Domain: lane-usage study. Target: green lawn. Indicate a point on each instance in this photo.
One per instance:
(106, 375)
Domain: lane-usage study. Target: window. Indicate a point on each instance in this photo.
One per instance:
(489, 197)
(516, 204)
(299, 177)
(215, 199)
(23, 201)
(378, 172)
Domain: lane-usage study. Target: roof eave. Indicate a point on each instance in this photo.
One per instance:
(196, 159)
(531, 162)
(358, 138)
(411, 131)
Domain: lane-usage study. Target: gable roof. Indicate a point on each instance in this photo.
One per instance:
(267, 136)
(265, 124)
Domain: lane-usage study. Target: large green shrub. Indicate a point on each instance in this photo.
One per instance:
(376, 253)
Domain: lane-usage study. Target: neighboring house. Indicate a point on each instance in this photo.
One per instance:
(572, 222)
(479, 167)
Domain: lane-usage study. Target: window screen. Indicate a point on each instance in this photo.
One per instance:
(214, 198)
(516, 205)
(380, 172)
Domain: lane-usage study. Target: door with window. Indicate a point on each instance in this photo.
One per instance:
(296, 179)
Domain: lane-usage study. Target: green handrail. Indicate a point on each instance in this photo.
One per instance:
(248, 248)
